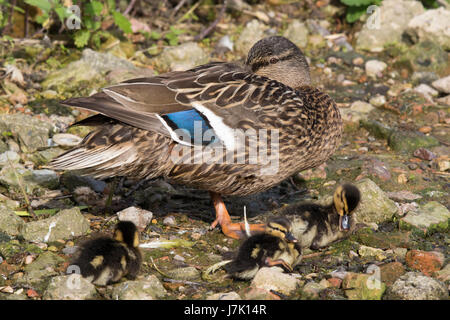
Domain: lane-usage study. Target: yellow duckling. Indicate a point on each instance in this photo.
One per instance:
(316, 226)
(106, 260)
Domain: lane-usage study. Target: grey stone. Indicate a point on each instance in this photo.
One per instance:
(253, 31)
(8, 157)
(297, 32)
(66, 140)
(182, 57)
(10, 223)
(442, 85)
(30, 132)
(140, 217)
(224, 296)
(375, 206)
(394, 18)
(186, 273)
(416, 286)
(374, 68)
(149, 288)
(16, 176)
(91, 67)
(70, 287)
(428, 218)
(409, 141)
(169, 221)
(313, 289)
(274, 279)
(45, 178)
(66, 224)
(433, 24)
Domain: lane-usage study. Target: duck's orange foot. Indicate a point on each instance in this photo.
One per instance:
(230, 229)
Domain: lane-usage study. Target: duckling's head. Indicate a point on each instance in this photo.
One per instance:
(280, 227)
(279, 59)
(127, 233)
(346, 199)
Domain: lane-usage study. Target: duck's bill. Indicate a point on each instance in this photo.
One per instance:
(344, 222)
(290, 237)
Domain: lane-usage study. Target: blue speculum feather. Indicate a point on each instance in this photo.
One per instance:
(194, 124)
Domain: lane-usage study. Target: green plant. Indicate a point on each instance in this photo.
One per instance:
(172, 35)
(53, 14)
(356, 8)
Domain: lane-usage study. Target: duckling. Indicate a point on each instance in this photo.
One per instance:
(316, 226)
(106, 260)
(276, 246)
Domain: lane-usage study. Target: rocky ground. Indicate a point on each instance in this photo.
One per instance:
(393, 90)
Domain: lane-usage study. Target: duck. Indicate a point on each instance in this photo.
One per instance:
(317, 226)
(230, 129)
(276, 246)
(105, 260)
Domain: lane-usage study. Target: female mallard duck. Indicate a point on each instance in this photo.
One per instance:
(106, 260)
(187, 126)
(276, 246)
(316, 226)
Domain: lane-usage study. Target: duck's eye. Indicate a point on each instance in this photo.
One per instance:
(273, 60)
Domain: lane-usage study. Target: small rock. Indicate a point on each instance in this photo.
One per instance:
(424, 154)
(224, 44)
(9, 157)
(252, 293)
(442, 85)
(274, 279)
(416, 286)
(407, 141)
(46, 178)
(66, 140)
(378, 100)
(359, 286)
(182, 57)
(390, 272)
(369, 252)
(394, 18)
(402, 179)
(70, 287)
(187, 273)
(10, 223)
(253, 31)
(335, 282)
(404, 208)
(427, 219)
(169, 221)
(297, 32)
(225, 296)
(375, 206)
(403, 195)
(66, 224)
(313, 289)
(427, 91)
(444, 274)
(431, 25)
(374, 68)
(400, 253)
(149, 288)
(424, 261)
(140, 217)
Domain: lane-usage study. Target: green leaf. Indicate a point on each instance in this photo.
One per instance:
(63, 13)
(44, 5)
(354, 13)
(155, 35)
(81, 38)
(94, 8)
(122, 22)
(358, 3)
(43, 211)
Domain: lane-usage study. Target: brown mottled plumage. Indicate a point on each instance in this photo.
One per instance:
(272, 92)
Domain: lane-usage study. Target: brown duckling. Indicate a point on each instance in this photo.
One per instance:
(106, 260)
(316, 226)
(276, 246)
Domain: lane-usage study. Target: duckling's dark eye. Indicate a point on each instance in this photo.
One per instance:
(273, 60)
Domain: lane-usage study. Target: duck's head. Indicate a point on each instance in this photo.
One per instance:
(127, 233)
(280, 227)
(279, 59)
(346, 199)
